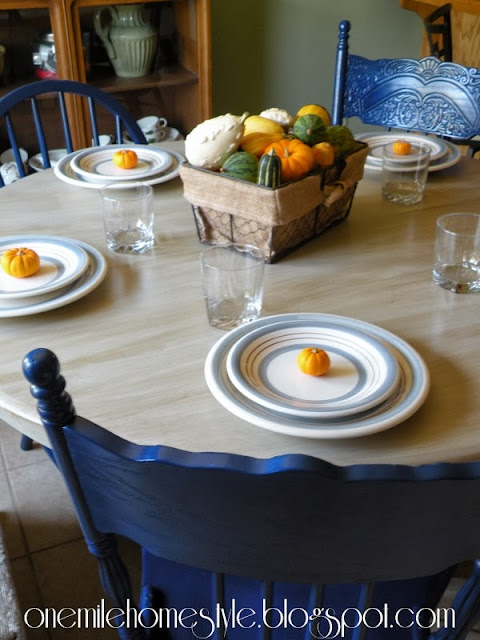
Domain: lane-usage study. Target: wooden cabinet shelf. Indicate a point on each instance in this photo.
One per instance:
(178, 86)
(173, 77)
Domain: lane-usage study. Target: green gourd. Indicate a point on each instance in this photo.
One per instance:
(270, 170)
(310, 129)
(242, 165)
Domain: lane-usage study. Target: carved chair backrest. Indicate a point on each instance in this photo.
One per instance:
(424, 95)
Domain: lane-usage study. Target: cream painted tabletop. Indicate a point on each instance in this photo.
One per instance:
(133, 350)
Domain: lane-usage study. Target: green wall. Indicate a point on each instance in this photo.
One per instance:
(281, 53)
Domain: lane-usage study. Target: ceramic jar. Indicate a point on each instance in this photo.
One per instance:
(130, 41)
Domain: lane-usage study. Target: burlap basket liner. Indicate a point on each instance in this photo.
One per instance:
(276, 220)
(211, 190)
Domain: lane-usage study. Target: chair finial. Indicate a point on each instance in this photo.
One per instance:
(343, 29)
(42, 369)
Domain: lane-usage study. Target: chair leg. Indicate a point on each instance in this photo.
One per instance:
(26, 443)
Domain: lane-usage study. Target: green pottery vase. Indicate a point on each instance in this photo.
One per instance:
(130, 41)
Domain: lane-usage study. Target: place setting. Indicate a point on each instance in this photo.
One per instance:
(443, 154)
(375, 379)
(41, 273)
(311, 375)
(95, 167)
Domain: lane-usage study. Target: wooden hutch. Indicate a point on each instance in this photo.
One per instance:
(177, 88)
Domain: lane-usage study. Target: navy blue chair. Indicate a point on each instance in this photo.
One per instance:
(30, 93)
(427, 95)
(276, 548)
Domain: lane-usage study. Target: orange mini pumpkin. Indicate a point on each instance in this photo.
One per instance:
(401, 147)
(296, 157)
(125, 158)
(20, 262)
(313, 361)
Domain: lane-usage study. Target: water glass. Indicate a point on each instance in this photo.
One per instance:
(232, 278)
(404, 176)
(128, 216)
(456, 264)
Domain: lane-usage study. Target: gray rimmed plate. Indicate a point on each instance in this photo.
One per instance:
(263, 366)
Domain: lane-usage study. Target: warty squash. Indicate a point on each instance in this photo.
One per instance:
(210, 143)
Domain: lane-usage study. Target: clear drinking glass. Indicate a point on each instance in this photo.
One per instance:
(128, 216)
(404, 176)
(456, 264)
(232, 278)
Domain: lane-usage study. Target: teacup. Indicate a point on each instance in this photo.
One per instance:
(7, 156)
(8, 166)
(104, 139)
(9, 172)
(153, 128)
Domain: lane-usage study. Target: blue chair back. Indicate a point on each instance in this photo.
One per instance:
(123, 119)
(424, 95)
(279, 536)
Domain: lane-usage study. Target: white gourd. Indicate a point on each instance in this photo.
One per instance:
(210, 143)
(279, 115)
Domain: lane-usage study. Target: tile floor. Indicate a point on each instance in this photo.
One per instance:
(50, 564)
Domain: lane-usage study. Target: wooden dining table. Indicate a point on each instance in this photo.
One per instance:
(133, 350)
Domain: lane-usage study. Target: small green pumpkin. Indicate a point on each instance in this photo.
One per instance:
(270, 170)
(310, 129)
(242, 165)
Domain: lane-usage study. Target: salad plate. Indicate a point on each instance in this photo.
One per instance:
(62, 261)
(96, 163)
(409, 394)
(87, 282)
(63, 170)
(263, 366)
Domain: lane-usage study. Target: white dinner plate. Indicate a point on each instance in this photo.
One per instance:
(91, 278)
(61, 262)
(96, 163)
(409, 395)
(36, 161)
(263, 366)
(64, 172)
(376, 142)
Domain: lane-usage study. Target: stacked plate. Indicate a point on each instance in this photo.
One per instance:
(376, 380)
(69, 270)
(94, 167)
(444, 154)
